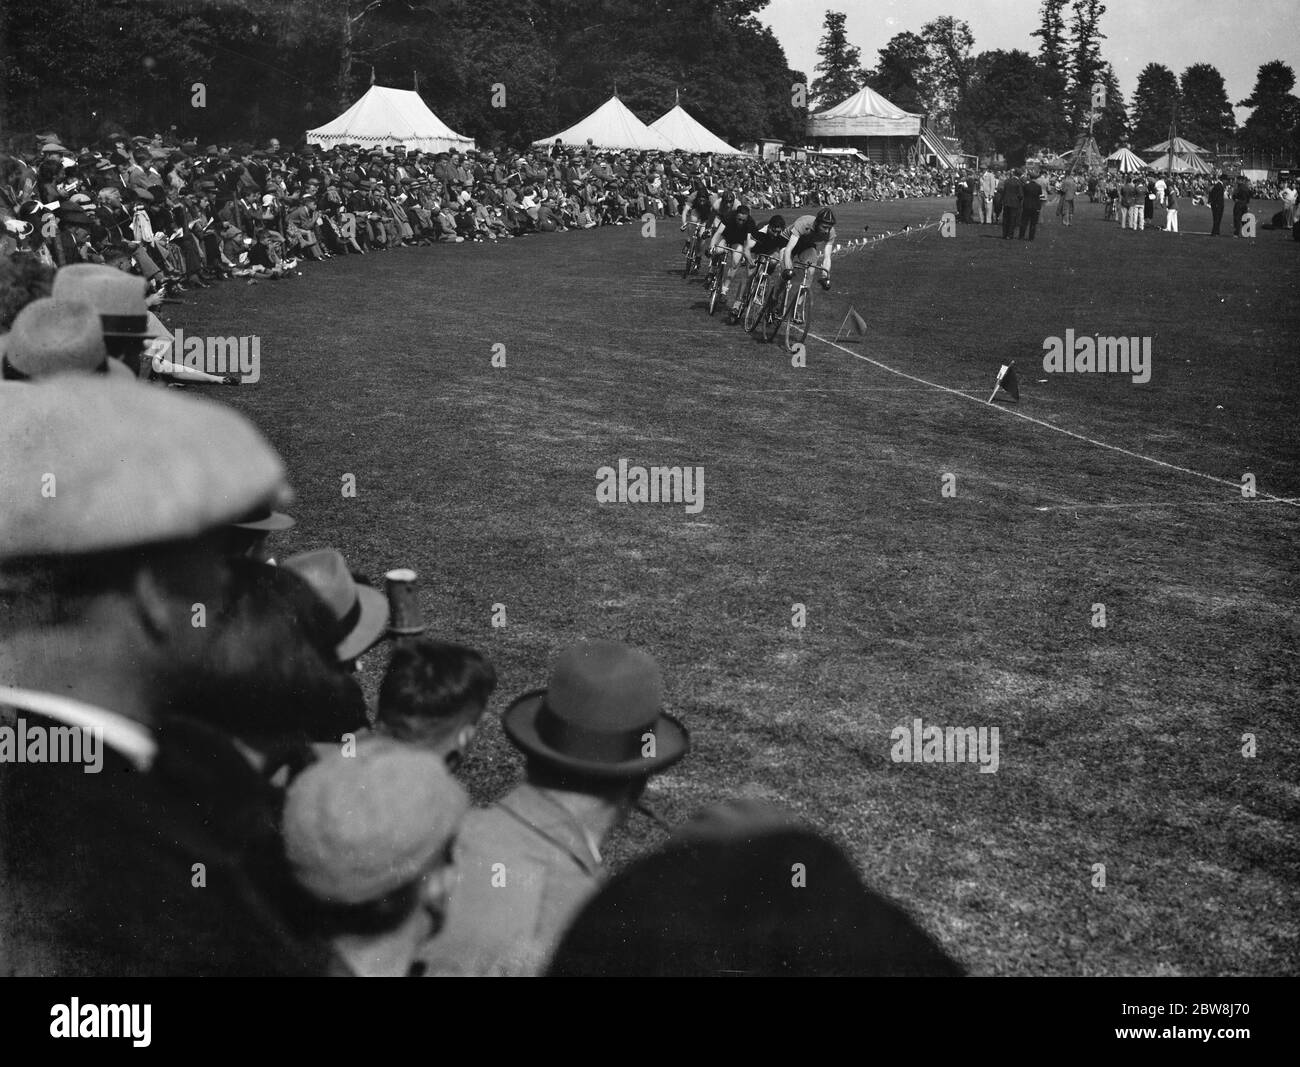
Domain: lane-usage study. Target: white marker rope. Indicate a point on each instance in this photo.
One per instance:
(1057, 429)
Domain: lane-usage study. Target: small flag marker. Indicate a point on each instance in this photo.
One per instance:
(1007, 381)
(854, 327)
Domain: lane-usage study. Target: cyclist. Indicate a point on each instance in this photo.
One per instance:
(701, 205)
(767, 240)
(734, 231)
(808, 235)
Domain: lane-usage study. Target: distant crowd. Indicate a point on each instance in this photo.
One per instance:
(183, 216)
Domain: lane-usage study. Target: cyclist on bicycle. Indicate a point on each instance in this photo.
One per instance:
(809, 235)
(766, 240)
(733, 231)
(701, 206)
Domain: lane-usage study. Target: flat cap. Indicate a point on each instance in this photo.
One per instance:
(359, 827)
(90, 464)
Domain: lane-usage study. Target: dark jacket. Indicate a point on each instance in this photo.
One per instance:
(1013, 193)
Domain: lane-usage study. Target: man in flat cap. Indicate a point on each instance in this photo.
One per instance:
(119, 858)
(591, 740)
(368, 838)
(52, 337)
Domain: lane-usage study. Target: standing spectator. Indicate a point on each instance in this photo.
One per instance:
(1289, 204)
(1240, 202)
(988, 187)
(1031, 205)
(528, 863)
(1149, 201)
(1069, 189)
(367, 837)
(1171, 212)
(1013, 195)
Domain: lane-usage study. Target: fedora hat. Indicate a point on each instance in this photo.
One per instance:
(51, 337)
(361, 612)
(118, 297)
(603, 698)
(263, 518)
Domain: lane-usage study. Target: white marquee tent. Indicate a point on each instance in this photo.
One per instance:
(690, 135)
(388, 117)
(612, 125)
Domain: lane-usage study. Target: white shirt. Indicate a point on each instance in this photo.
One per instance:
(126, 736)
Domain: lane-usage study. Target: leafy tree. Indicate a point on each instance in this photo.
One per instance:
(838, 69)
(1110, 128)
(1054, 58)
(1204, 115)
(1155, 105)
(948, 43)
(1005, 108)
(900, 74)
(1086, 64)
(1274, 124)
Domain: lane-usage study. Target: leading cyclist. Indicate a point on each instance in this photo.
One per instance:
(809, 235)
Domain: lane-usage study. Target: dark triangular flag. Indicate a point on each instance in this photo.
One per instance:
(1007, 381)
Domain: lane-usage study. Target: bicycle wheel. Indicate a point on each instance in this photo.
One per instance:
(756, 297)
(774, 311)
(715, 286)
(800, 318)
(690, 260)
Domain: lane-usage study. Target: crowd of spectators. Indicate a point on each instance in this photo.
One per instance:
(183, 215)
(193, 778)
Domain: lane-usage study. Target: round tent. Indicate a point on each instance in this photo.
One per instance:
(1126, 161)
(387, 117)
(1178, 147)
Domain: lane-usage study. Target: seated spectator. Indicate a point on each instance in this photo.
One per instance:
(592, 740)
(368, 840)
(433, 695)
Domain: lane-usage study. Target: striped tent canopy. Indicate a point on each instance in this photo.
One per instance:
(1126, 161)
(1178, 147)
(864, 114)
(1181, 165)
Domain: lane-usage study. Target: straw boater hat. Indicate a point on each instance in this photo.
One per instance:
(603, 699)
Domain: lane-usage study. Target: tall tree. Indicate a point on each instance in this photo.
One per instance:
(1155, 105)
(900, 74)
(1274, 124)
(1204, 114)
(948, 42)
(838, 69)
(1054, 58)
(1086, 64)
(1004, 107)
(1110, 127)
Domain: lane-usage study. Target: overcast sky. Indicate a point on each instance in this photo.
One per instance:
(1233, 36)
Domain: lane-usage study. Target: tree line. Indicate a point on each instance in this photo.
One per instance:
(509, 71)
(1009, 101)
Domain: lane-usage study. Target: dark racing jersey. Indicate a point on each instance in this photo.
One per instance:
(768, 242)
(735, 230)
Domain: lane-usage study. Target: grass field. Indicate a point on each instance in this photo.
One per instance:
(1120, 745)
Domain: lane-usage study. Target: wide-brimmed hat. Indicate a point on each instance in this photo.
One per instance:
(264, 518)
(593, 719)
(51, 337)
(118, 297)
(361, 612)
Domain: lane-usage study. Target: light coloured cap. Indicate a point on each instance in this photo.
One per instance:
(90, 464)
(51, 337)
(359, 827)
(118, 297)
